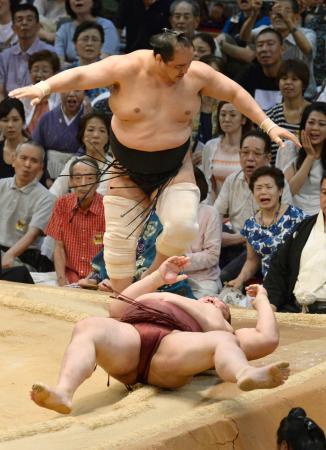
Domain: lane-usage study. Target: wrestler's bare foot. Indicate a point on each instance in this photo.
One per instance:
(47, 397)
(266, 377)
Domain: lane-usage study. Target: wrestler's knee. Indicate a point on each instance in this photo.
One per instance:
(178, 209)
(84, 326)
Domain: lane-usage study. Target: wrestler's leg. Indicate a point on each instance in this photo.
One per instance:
(182, 355)
(177, 209)
(124, 207)
(96, 340)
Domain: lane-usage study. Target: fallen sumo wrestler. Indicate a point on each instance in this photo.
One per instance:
(154, 96)
(163, 339)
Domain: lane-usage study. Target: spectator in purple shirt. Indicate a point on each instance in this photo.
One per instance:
(14, 60)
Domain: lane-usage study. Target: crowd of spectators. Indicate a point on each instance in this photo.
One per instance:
(263, 210)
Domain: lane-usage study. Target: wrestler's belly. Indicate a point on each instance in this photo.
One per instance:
(151, 135)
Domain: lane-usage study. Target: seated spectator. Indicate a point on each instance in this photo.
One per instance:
(203, 270)
(296, 278)
(204, 45)
(57, 130)
(305, 169)
(293, 80)
(220, 156)
(204, 124)
(88, 39)
(12, 120)
(299, 432)
(93, 135)
(260, 79)
(236, 202)
(77, 223)
(269, 227)
(216, 19)
(185, 16)
(25, 209)
(7, 35)
(13, 61)
(142, 20)
(79, 12)
(52, 13)
(41, 65)
(247, 9)
(298, 42)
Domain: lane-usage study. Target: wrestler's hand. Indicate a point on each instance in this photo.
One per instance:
(169, 270)
(278, 134)
(256, 289)
(32, 92)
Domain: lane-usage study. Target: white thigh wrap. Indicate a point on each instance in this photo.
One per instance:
(177, 208)
(123, 228)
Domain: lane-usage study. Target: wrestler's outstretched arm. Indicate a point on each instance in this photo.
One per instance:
(221, 87)
(168, 273)
(263, 339)
(103, 73)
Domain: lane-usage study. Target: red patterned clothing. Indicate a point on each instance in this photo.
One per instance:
(80, 231)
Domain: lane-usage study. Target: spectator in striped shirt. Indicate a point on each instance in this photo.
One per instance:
(293, 80)
(77, 223)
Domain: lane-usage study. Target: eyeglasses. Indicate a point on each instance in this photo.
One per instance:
(246, 153)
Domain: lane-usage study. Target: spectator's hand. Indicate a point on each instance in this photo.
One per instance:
(169, 270)
(236, 283)
(105, 285)
(32, 92)
(7, 260)
(256, 7)
(276, 134)
(311, 152)
(278, 10)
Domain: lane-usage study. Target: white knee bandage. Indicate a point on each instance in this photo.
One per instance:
(123, 218)
(177, 208)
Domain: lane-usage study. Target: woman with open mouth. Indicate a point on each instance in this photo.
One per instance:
(270, 226)
(306, 166)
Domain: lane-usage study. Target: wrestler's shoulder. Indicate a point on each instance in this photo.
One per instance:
(201, 70)
(132, 61)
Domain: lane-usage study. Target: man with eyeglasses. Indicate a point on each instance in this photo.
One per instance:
(154, 97)
(14, 60)
(236, 202)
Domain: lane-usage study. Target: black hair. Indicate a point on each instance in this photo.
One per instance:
(270, 30)
(45, 55)
(321, 108)
(84, 121)
(88, 25)
(201, 183)
(194, 4)
(165, 43)
(258, 134)
(95, 10)
(323, 177)
(8, 104)
(270, 171)
(208, 39)
(212, 59)
(298, 68)
(25, 7)
(87, 161)
(244, 128)
(300, 432)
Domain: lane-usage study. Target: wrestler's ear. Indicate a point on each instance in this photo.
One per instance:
(158, 58)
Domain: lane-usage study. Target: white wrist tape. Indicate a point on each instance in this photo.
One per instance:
(267, 125)
(44, 88)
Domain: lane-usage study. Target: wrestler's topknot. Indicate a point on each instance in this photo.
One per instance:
(164, 43)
